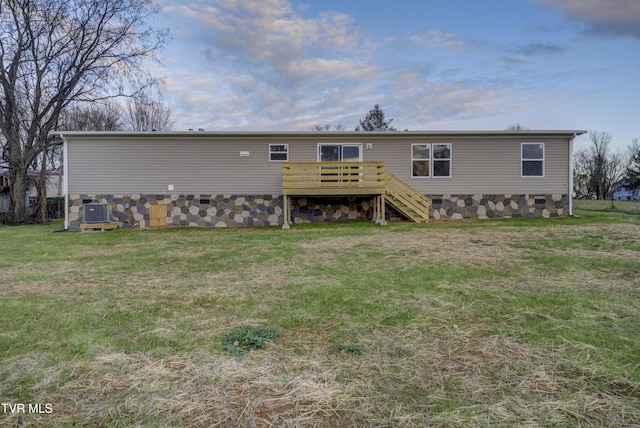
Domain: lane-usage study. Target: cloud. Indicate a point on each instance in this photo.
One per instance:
(513, 61)
(539, 49)
(269, 29)
(613, 18)
(436, 39)
(523, 53)
(273, 58)
(242, 64)
(272, 39)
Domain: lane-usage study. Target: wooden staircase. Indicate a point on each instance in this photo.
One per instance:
(406, 199)
(352, 179)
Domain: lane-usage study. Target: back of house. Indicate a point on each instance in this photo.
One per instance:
(157, 179)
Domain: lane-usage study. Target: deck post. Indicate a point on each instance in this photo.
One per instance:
(375, 208)
(286, 211)
(373, 203)
(378, 209)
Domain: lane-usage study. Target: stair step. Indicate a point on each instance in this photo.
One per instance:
(408, 211)
(413, 204)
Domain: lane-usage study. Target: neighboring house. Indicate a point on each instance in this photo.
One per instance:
(54, 188)
(147, 179)
(5, 198)
(623, 192)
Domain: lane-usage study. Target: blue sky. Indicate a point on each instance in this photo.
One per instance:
(430, 64)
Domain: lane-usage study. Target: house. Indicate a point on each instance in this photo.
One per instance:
(623, 192)
(5, 197)
(54, 188)
(152, 179)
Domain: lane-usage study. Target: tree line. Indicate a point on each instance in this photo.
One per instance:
(59, 61)
(599, 170)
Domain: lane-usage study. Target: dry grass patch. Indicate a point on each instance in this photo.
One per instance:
(512, 323)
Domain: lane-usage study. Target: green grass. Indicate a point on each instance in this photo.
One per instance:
(630, 207)
(497, 322)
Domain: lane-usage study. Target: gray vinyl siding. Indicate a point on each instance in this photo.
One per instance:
(211, 164)
(483, 166)
(478, 166)
(191, 166)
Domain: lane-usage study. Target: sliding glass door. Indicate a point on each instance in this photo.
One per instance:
(339, 152)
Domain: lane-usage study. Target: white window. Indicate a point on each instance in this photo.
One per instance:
(420, 160)
(441, 160)
(532, 160)
(431, 160)
(278, 152)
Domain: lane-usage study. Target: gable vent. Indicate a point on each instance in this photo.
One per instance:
(95, 213)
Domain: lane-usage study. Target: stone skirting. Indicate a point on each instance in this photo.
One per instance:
(319, 210)
(480, 206)
(134, 211)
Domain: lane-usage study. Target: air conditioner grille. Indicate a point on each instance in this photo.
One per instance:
(95, 213)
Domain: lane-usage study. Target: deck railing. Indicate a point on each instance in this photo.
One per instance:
(333, 178)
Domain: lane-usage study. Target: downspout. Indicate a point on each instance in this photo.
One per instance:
(65, 180)
(570, 194)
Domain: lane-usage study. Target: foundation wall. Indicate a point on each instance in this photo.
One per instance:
(134, 211)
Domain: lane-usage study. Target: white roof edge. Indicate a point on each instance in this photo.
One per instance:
(567, 133)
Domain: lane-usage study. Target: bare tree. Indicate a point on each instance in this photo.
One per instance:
(327, 127)
(98, 116)
(146, 113)
(596, 168)
(633, 167)
(54, 53)
(516, 127)
(582, 173)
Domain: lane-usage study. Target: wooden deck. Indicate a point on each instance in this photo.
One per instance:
(352, 179)
(332, 178)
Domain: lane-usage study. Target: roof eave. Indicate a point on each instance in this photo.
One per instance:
(327, 134)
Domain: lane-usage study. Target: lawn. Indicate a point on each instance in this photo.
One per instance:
(630, 207)
(522, 322)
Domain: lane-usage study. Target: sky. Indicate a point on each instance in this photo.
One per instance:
(430, 64)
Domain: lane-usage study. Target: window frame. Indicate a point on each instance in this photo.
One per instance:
(273, 152)
(434, 159)
(427, 160)
(523, 160)
(341, 153)
(431, 160)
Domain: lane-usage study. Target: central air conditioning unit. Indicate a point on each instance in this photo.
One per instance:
(95, 213)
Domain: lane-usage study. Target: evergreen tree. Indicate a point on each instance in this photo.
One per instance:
(375, 121)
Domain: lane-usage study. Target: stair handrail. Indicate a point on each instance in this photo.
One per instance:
(407, 195)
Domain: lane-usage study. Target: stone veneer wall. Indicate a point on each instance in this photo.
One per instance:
(479, 206)
(318, 210)
(266, 210)
(185, 210)
(220, 210)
